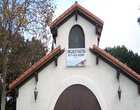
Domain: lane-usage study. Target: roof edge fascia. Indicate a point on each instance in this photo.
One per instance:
(116, 62)
(34, 68)
(70, 10)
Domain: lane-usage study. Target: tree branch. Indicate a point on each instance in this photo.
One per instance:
(1, 42)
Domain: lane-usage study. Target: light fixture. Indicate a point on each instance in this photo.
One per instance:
(119, 92)
(35, 93)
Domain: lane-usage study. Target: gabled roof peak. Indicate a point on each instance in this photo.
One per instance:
(76, 2)
(81, 11)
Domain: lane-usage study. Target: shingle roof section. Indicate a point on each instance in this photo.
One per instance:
(76, 5)
(117, 62)
(35, 66)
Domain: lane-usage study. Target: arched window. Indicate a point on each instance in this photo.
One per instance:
(76, 37)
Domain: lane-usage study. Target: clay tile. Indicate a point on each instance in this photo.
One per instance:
(17, 80)
(41, 61)
(29, 70)
(129, 70)
(55, 50)
(33, 67)
(38, 62)
(50, 54)
(21, 76)
(14, 82)
(72, 7)
(47, 57)
(10, 86)
(25, 73)
(44, 57)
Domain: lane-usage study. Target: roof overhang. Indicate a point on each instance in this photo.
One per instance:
(76, 9)
(36, 68)
(115, 63)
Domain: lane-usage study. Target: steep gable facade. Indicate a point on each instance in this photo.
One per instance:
(80, 76)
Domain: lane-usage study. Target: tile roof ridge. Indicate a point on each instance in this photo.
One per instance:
(33, 67)
(70, 9)
(62, 15)
(90, 14)
(116, 61)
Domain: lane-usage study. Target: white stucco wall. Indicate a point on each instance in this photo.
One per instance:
(100, 79)
(88, 28)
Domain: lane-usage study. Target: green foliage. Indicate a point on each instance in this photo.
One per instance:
(126, 56)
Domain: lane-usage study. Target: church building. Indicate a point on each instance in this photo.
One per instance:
(77, 74)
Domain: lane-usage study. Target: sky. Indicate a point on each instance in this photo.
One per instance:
(120, 20)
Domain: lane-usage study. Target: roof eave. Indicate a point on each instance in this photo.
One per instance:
(35, 67)
(74, 7)
(119, 64)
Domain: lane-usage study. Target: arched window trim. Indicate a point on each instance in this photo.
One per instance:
(80, 35)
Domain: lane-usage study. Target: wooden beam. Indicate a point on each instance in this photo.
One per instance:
(56, 58)
(36, 76)
(97, 59)
(98, 39)
(80, 14)
(16, 92)
(94, 22)
(54, 39)
(54, 33)
(76, 15)
(118, 74)
(40, 69)
(98, 30)
(139, 89)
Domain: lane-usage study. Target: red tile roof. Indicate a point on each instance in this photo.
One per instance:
(76, 5)
(58, 49)
(34, 67)
(117, 62)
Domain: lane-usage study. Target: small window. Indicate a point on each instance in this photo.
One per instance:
(76, 37)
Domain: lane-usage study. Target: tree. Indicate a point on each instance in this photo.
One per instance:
(17, 16)
(23, 55)
(125, 56)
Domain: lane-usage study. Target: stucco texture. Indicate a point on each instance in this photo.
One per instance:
(100, 79)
